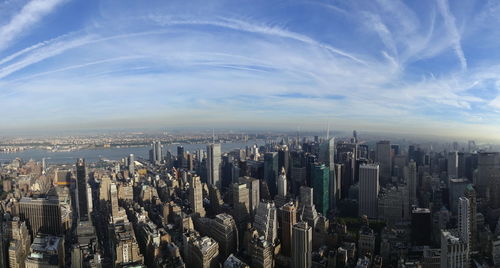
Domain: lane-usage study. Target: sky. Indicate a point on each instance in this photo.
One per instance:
(419, 67)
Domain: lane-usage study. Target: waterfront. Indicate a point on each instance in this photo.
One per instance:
(116, 153)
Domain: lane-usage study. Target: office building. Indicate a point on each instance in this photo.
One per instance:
(131, 165)
(452, 165)
(288, 220)
(214, 164)
(262, 253)
(82, 193)
(46, 251)
(421, 226)
(241, 202)
(233, 262)
(411, 181)
(321, 184)
(253, 186)
(203, 252)
(196, 196)
(368, 190)
(266, 221)
(124, 244)
(43, 215)
(301, 245)
(223, 230)
(307, 209)
(271, 171)
(383, 157)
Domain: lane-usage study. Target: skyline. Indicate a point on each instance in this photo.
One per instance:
(427, 67)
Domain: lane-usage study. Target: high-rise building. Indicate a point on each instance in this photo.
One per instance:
(266, 221)
(241, 202)
(421, 226)
(487, 169)
(464, 219)
(131, 165)
(262, 253)
(214, 164)
(411, 181)
(46, 251)
(271, 171)
(452, 163)
(455, 243)
(156, 154)
(282, 183)
(82, 193)
(124, 245)
(253, 186)
(288, 220)
(321, 184)
(327, 156)
(470, 194)
(307, 209)
(368, 190)
(456, 190)
(384, 159)
(454, 252)
(203, 252)
(42, 215)
(223, 230)
(196, 196)
(301, 245)
(233, 262)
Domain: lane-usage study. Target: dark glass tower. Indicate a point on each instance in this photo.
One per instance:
(81, 179)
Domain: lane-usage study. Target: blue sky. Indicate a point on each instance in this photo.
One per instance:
(405, 66)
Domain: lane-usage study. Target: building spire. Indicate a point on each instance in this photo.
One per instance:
(328, 131)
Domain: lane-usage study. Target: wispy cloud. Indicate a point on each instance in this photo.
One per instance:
(374, 61)
(29, 15)
(449, 21)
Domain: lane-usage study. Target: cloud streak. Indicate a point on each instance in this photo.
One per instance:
(29, 15)
(378, 61)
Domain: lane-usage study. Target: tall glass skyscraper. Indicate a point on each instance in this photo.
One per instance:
(321, 184)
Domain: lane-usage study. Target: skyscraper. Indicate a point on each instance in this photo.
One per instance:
(156, 154)
(470, 194)
(302, 245)
(266, 221)
(327, 156)
(452, 165)
(271, 171)
(196, 196)
(214, 164)
(307, 209)
(81, 178)
(41, 215)
(288, 220)
(223, 230)
(131, 165)
(368, 189)
(384, 160)
(455, 243)
(254, 191)
(321, 184)
(411, 181)
(487, 168)
(241, 202)
(464, 219)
